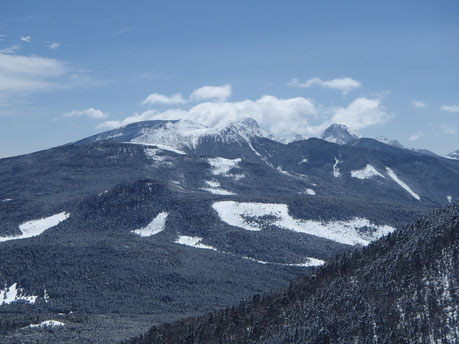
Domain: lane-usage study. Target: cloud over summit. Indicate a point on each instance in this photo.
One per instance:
(282, 117)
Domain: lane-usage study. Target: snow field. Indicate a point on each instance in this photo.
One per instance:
(248, 215)
(157, 225)
(366, 173)
(34, 228)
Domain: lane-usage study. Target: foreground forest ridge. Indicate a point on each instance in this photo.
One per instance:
(402, 288)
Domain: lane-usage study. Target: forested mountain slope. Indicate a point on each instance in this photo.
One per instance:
(402, 288)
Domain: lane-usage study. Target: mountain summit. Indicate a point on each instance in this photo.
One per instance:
(183, 135)
(339, 133)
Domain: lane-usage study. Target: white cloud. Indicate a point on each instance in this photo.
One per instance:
(361, 113)
(450, 108)
(219, 93)
(91, 112)
(345, 85)
(419, 104)
(52, 45)
(416, 136)
(10, 50)
(27, 39)
(281, 117)
(156, 98)
(29, 73)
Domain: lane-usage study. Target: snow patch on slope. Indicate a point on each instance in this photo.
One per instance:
(152, 153)
(255, 216)
(47, 323)
(449, 198)
(214, 187)
(157, 225)
(34, 228)
(336, 172)
(366, 173)
(304, 161)
(400, 182)
(15, 294)
(7, 200)
(222, 166)
(193, 242)
(309, 192)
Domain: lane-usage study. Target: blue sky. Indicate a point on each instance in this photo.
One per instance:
(69, 69)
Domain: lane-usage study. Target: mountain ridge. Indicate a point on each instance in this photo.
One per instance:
(364, 296)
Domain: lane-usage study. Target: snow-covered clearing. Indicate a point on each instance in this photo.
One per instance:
(402, 183)
(193, 242)
(366, 173)
(157, 225)
(14, 294)
(255, 216)
(336, 172)
(33, 228)
(222, 166)
(47, 323)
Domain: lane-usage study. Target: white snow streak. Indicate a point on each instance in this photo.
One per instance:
(308, 263)
(214, 187)
(157, 225)
(449, 198)
(196, 243)
(7, 200)
(303, 161)
(14, 294)
(402, 183)
(34, 228)
(336, 172)
(310, 192)
(366, 173)
(193, 242)
(254, 216)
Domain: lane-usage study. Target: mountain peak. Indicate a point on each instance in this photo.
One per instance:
(339, 134)
(385, 140)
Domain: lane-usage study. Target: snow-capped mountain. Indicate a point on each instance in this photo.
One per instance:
(339, 134)
(183, 135)
(168, 219)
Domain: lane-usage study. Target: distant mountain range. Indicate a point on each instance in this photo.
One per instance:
(161, 220)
